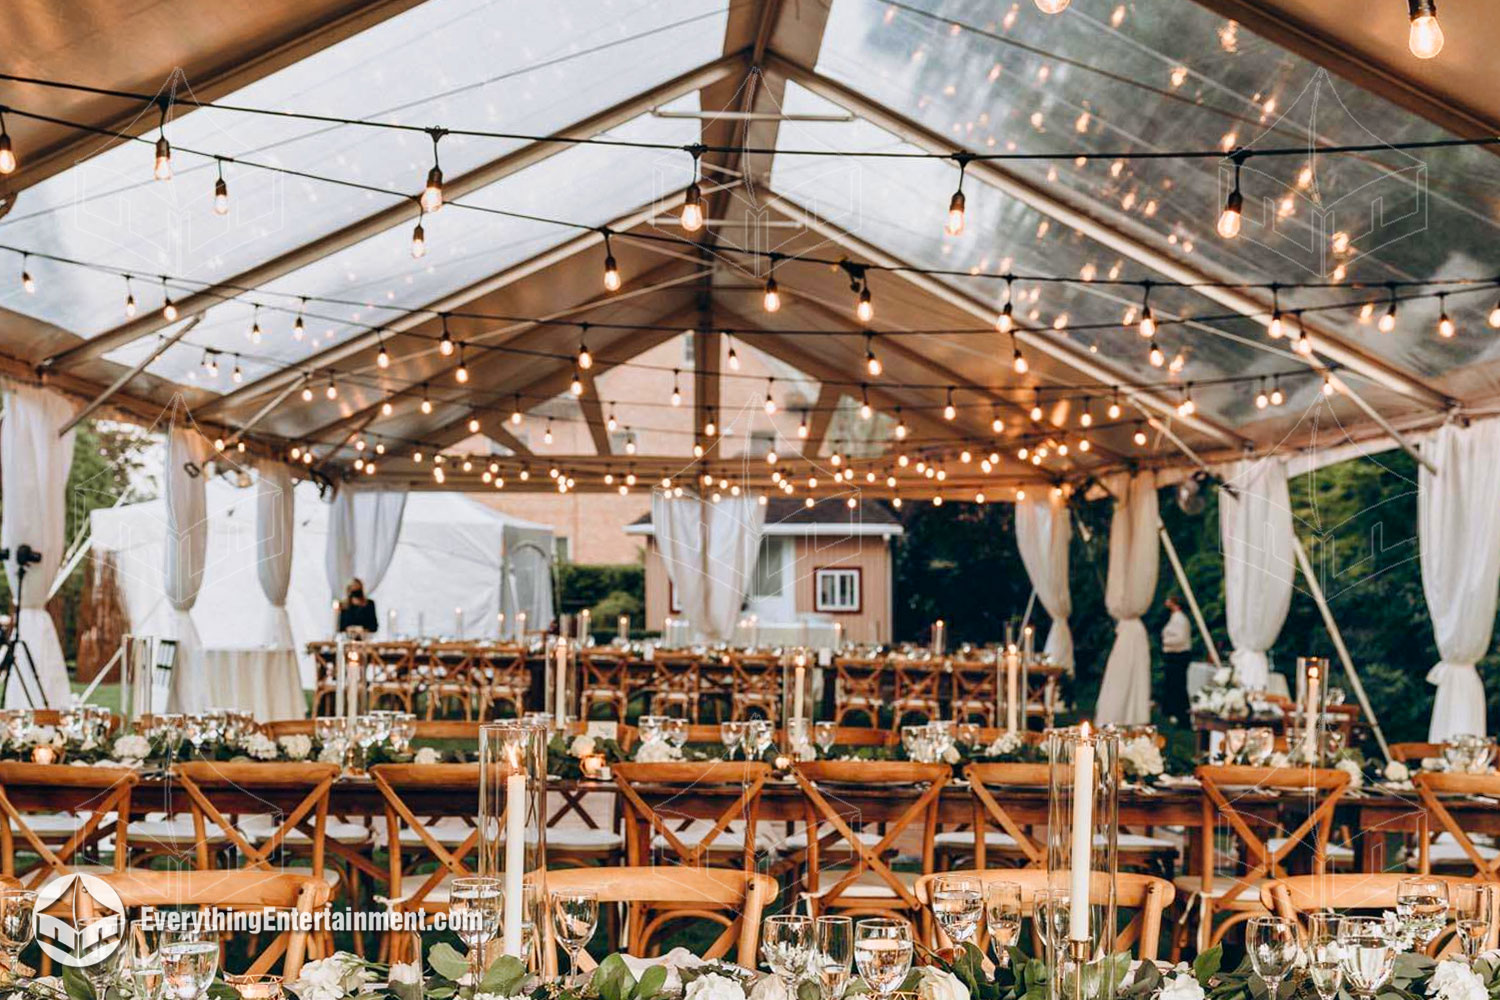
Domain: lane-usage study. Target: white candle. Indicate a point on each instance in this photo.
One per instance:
(390, 622)
(521, 625)
(585, 621)
(1026, 637)
(622, 629)
(939, 637)
(500, 625)
(458, 622)
(515, 858)
(1012, 694)
(336, 609)
(1310, 715)
(560, 684)
(838, 636)
(1083, 835)
(799, 673)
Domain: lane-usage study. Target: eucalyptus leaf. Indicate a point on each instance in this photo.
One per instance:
(447, 962)
(652, 982)
(76, 985)
(1207, 964)
(504, 976)
(808, 990)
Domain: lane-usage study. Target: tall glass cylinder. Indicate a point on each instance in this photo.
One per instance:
(1010, 686)
(513, 823)
(797, 686)
(351, 691)
(939, 637)
(1083, 819)
(1306, 725)
(560, 687)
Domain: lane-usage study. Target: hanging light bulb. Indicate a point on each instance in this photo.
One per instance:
(585, 359)
(445, 343)
(547, 437)
(1157, 357)
(1036, 406)
(1327, 386)
(419, 238)
(162, 167)
(900, 425)
(432, 191)
(676, 388)
(1303, 344)
(515, 412)
(872, 363)
(236, 375)
(473, 425)
(332, 392)
(732, 359)
(426, 405)
(772, 298)
(129, 299)
(1277, 397)
(1148, 321)
(770, 399)
(1185, 406)
(576, 386)
(27, 281)
(221, 190)
(955, 224)
(1140, 435)
(1446, 329)
(1495, 316)
(1426, 36)
(1234, 206)
(1261, 399)
(611, 268)
(461, 373)
(382, 357)
(1114, 406)
(168, 308)
(802, 427)
(1086, 418)
(866, 411)
(299, 328)
(1276, 327)
(612, 423)
(1051, 6)
(307, 393)
(710, 428)
(864, 309)
(1388, 320)
(387, 407)
(255, 331)
(949, 410)
(7, 153)
(1018, 360)
(694, 210)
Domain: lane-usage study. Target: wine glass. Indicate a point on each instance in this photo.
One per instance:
(1260, 744)
(1422, 906)
(787, 946)
(731, 734)
(575, 915)
(833, 954)
(1473, 911)
(17, 923)
(189, 961)
(474, 904)
(1366, 954)
(1234, 744)
(1002, 917)
(1323, 966)
(967, 733)
(759, 735)
(1052, 911)
(1272, 943)
(957, 905)
(825, 734)
(883, 951)
(675, 731)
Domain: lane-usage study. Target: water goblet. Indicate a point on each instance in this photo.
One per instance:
(474, 904)
(1260, 744)
(1272, 943)
(787, 946)
(760, 735)
(1422, 908)
(1324, 969)
(189, 961)
(833, 954)
(1002, 917)
(17, 923)
(675, 731)
(957, 903)
(1473, 913)
(1052, 909)
(1234, 744)
(967, 733)
(731, 734)
(883, 951)
(1366, 954)
(824, 735)
(575, 915)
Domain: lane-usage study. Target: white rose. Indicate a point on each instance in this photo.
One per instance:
(582, 746)
(939, 984)
(1349, 767)
(1454, 980)
(656, 752)
(713, 986)
(427, 755)
(260, 746)
(296, 746)
(1434, 764)
(132, 747)
(1182, 986)
(331, 978)
(1397, 771)
(331, 753)
(43, 736)
(408, 973)
(1222, 675)
(769, 988)
(950, 755)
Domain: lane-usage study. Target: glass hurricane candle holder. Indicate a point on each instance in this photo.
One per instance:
(512, 819)
(1083, 819)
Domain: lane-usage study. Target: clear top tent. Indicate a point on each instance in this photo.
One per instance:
(287, 307)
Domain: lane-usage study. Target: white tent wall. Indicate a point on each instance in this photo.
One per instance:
(449, 556)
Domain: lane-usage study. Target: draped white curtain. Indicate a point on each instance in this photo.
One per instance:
(1458, 528)
(35, 462)
(1134, 554)
(1255, 528)
(1044, 530)
(709, 550)
(186, 545)
(275, 522)
(362, 534)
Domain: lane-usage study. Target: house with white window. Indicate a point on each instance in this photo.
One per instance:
(819, 565)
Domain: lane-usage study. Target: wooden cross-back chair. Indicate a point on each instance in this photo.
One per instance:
(976, 691)
(857, 688)
(676, 682)
(392, 673)
(1431, 787)
(411, 843)
(1148, 895)
(448, 677)
(96, 803)
(659, 804)
(661, 895)
(1296, 897)
(501, 677)
(755, 682)
(141, 888)
(1230, 793)
(604, 679)
(917, 687)
(870, 885)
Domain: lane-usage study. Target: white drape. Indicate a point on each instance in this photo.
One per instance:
(709, 550)
(1044, 529)
(1134, 553)
(186, 550)
(1458, 528)
(35, 462)
(362, 534)
(1255, 528)
(275, 524)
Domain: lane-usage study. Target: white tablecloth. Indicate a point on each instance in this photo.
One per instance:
(263, 681)
(1200, 671)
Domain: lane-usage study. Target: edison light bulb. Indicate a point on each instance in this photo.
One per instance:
(865, 309)
(1445, 326)
(1114, 411)
(1019, 364)
(955, 224)
(1262, 400)
(1275, 328)
(772, 301)
(163, 168)
(1006, 321)
(1140, 437)
(1148, 324)
(418, 242)
(1426, 38)
(130, 305)
(7, 155)
(585, 359)
(432, 193)
(1495, 315)
(611, 274)
(1232, 216)
(1388, 320)
(1051, 6)
(1277, 398)
(692, 209)
(872, 363)
(221, 197)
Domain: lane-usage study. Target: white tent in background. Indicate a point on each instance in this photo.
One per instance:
(450, 559)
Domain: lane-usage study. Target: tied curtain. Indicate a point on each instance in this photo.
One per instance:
(362, 534)
(1458, 530)
(275, 522)
(186, 547)
(1044, 529)
(709, 550)
(1134, 554)
(1255, 527)
(35, 462)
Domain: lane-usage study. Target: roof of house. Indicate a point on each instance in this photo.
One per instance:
(793, 517)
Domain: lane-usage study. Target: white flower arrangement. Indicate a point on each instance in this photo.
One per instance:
(712, 986)
(656, 752)
(1397, 772)
(132, 746)
(1181, 986)
(1351, 767)
(42, 736)
(260, 746)
(1005, 744)
(331, 978)
(1142, 758)
(297, 746)
(582, 745)
(427, 755)
(1223, 696)
(405, 973)
(1455, 980)
(939, 984)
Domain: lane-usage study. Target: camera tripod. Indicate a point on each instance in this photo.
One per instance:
(17, 662)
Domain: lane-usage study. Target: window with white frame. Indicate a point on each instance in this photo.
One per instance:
(837, 590)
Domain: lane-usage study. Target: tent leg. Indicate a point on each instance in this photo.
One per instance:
(1187, 591)
(1338, 642)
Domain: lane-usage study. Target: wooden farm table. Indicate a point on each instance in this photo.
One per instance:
(1384, 812)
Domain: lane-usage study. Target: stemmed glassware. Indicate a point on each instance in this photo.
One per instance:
(1234, 744)
(189, 961)
(17, 923)
(833, 954)
(575, 915)
(1473, 912)
(1422, 907)
(787, 946)
(883, 951)
(731, 734)
(1051, 910)
(1002, 917)
(1324, 969)
(675, 731)
(1272, 943)
(758, 736)
(475, 903)
(1260, 744)
(824, 735)
(957, 903)
(1366, 953)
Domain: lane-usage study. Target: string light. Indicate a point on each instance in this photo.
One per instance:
(1185, 406)
(473, 425)
(733, 359)
(307, 393)
(426, 399)
(611, 268)
(900, 426)
(585, 359)
(949, 410)
(1086, 418)
(1148, 321)
(1303, 344)
(27, 281)
(1446, 329)
(1157, 357)
(864, 308)
(1234, 206)
(1140, 435)
(1114, 405)
(676, 388)
(299, 328)
(168, 308)
(1051, 6)
(955, 224)
(382, 357)
(694, 211)
(1495, 316)
(630, 445)
(1018, 360)
(1327, 386)
(237, 376)
(419, 237)
(872, 363)
(996, 424)
(387, 407)
(1275, 328)
(612, 423)
(1425, 39)
(332, 392)
(8, 162)
(445, 343)
(221, 190)
(432, 191)
(461, 373)
(865, 410)
(770, 399)
(162, 167)
(1277, 396)
(1261, 399)
(255, 332)
(1006, 321)
(1036, 405)
(771, 301)
(576, 386)
(547, 435)
(515, 412)
(129, 299)
(802, 427)
(710, 428)
(1388, 321)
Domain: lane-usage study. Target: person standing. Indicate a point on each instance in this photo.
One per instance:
(1176, 653)
(358, 610)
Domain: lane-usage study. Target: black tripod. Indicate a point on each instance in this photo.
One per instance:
(16, 661)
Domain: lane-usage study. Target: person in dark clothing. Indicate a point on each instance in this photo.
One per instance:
(358, 611)
(1176, 654)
